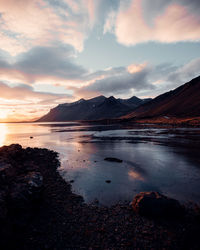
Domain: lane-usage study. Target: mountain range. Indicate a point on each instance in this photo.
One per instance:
(93, 109)
(184, 101)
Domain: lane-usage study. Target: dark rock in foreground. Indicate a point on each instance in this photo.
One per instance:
(39, 211)
(112, 159)
(156, 205)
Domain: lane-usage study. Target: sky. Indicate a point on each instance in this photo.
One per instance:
(58, 51)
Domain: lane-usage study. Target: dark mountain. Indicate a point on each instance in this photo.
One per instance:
(184, 101)
(93, 109)
(132, 102)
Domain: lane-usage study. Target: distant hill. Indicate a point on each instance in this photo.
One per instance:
(184, 101)
(96, 108)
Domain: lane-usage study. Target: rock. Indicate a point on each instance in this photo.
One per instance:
(24, 197)
(26, 190)
(12, 152)
(31, 137)
(96, 201)
(6, 171)
(13, 148)
(3, 208)
(154, 204)
(34, 181)
(112, 159)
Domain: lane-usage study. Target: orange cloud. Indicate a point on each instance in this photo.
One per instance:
(175, 24)
(26, 94)
(134, 68)
(29, 23)
(23, 103)
(91, 7)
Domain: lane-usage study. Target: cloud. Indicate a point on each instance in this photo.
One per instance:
(110, 22)
(169, 23)
(166, 76)
(50, 61)
(134, 68)
(26, 94)
(118, 81)
(143, 80)
(22, 102)
(42, 63)
(56, 66)
(31, 23)
(185, 73)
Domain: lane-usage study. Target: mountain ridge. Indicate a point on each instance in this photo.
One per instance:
(183, 101)
(96, 108)
(180, 102)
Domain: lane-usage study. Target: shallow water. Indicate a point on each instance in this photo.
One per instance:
(164, 160)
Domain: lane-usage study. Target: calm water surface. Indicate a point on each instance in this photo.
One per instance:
(164, 160)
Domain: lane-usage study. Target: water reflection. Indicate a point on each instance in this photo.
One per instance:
(153, 159)
(3, 133)
(135, 176)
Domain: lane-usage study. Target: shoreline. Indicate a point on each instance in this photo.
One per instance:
(58, 219)
(156, 122)
(140, 122)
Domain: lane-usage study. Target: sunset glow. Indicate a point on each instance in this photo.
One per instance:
(3, 133)
(3, 114)
(99, 124)
(135, 176)
(55, 52)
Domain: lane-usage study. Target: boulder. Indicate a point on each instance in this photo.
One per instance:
(25, 193)
(26, 190)
(24, 198)
(112, 159)
(154, 204)
(6, 171)
(34, 181)
(3, 208)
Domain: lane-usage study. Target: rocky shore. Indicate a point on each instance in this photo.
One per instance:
(39, 211)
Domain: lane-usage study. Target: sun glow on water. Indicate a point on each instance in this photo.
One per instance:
(3, 133)
(3, 114)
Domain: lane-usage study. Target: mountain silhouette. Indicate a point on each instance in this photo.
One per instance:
(184, 101)
(96, 108)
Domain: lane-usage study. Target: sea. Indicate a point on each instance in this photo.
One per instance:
(166, 160)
